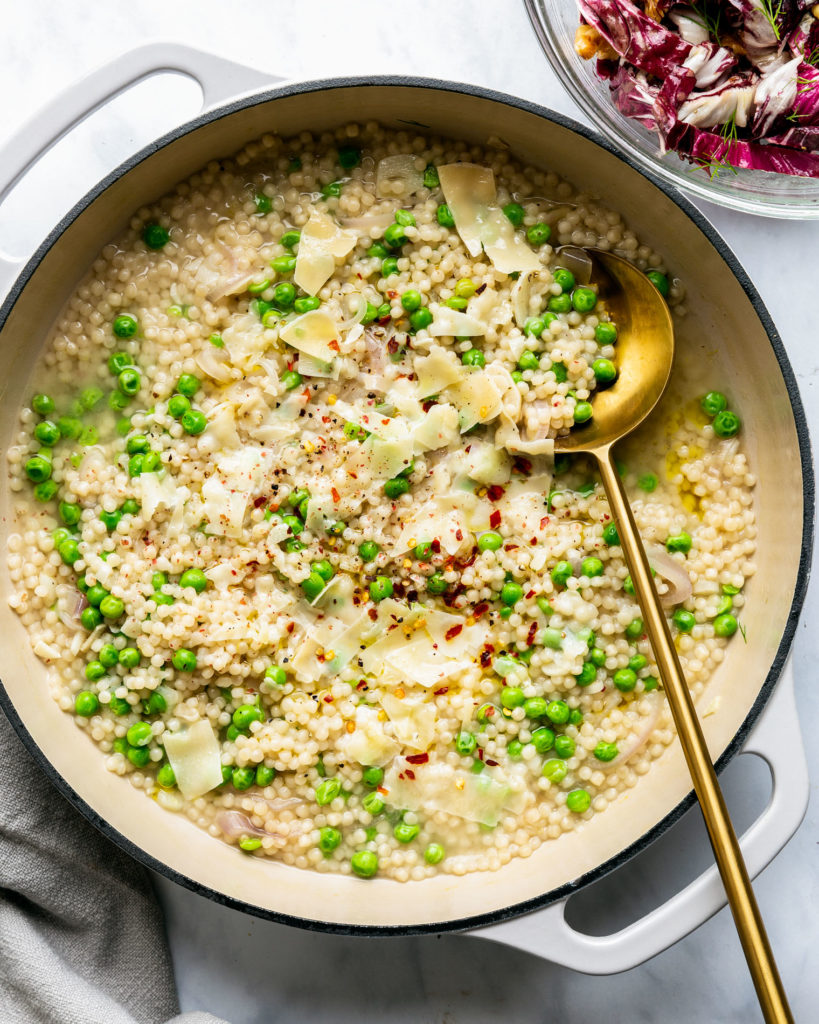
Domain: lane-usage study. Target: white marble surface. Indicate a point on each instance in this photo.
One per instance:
(253, 972)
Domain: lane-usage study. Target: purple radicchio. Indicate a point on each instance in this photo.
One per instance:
(732, 103)
(710, 150)
(640, 41)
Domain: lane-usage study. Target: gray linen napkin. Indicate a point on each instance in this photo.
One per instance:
(82, 940)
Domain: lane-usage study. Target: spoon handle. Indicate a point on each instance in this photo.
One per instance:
(727, 853)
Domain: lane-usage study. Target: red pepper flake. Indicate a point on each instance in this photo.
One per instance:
(428, 404)
(328, 699)
(418, 758)
(398, 589)
(291, 626)
(258, 502)
(533, 541)
(334, 345)
(361, 684)
(530, 636)
(522, 466)
(373, 614)
(495, 519)
(441, 691)
(459, 535)
(495, 492)
(479, 751)
(510, 547)
(335, 494)
(480, 609)
(392, 345)
(410, 774)
(436, 546)
(529, 594)
(544, 522)
(392, 295)
(491, 764)
(453, 631)
(486, 659)
(382, 790)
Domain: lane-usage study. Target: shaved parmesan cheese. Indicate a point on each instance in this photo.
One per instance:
(476, 398)
(246, 339)
(470, 193)
(486, 463)
(432, 522)
(387, 458)
(225, 574)
(227, 491)
(508, 436)
(413, 721)
(312, 333)
(451, 322)
(322, 242)
(399, 176)
(155, 492)
(421, 662)
(277, 430)
(369, 744)
(309, 366)
(195, 757)
(222, 427)
(438, 429)
(439, 787)
(437, 371)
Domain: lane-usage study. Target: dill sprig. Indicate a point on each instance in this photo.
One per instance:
(771, 11)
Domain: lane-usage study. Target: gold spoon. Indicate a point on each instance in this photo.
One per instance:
(645, 352)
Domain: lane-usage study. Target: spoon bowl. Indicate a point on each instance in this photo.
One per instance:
(645, 354)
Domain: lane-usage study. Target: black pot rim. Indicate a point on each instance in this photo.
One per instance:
(563, 891)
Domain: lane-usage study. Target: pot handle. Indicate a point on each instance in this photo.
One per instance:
(218, 78)
(546, 933)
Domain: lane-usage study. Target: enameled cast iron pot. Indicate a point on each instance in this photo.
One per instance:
(727, 330)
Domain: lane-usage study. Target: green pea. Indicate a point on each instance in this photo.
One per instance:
(564, 747)
(592, 567)
(372, 776)
(444, 216)
(648, 482)
(625, 679)
(276, 675)
(156, 703)
(543, 739)
(306, 303)
(588, 674)
(69, 551)
(528, 361)
(395, 236)
(725, 625)
(405, 833)
(514, 213)
(560, 304)
(139, 734)
(155, 236)
(420, 319)
(634, 630)
(96, 594)
(291, 379)
(123, 425)
(539, 234)
(726, 423)
(404, 218)
(511, 593)
(69, 513)
(561, 375)
(349, 157)
(283, 264)
(138, 756)
(436, 584)
(243, 778)
(166, 777)
(332, 191)
(368, 551)
(119, 706)
(284, 295)
(373, 803)
(178, 405)
(562, 573)
(70, 427)
(90, 618)
(605, 333)
(47, 433)
(108, 655)
(490, 541)
(381, 588)
(558, 711)
(188, 385)
(313, 586)
(38, 469)
(193, 422)
(125, 325)
(684, 620)
(265, 775)
(86, 704)
(434, 853)
(578, 801)
(129, 381)
(535, 707)
(565, 278)
(554, 770)
(584, 299)
(514, 748)
(473, 357)
(194, 578)
(610, 535)
(583, 412)
(184, 660)
(465, 743)
(94, 671)
(679, 542)
(604, 371)
(245, 715)
(660, 282)
(42, 404)
(329, 839)
(364, 863)
(111, 607)
(628, 586)
(324, 569)
(713, 403)
(389, 266)
(395, 487)
(411, 300)
(46, 490)
(512, 697)
(424, 552)
(637, 662)
(465, 288)
(326, 791)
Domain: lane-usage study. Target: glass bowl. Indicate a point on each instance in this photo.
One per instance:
(757, 192)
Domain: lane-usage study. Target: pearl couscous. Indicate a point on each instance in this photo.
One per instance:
(290, 534)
